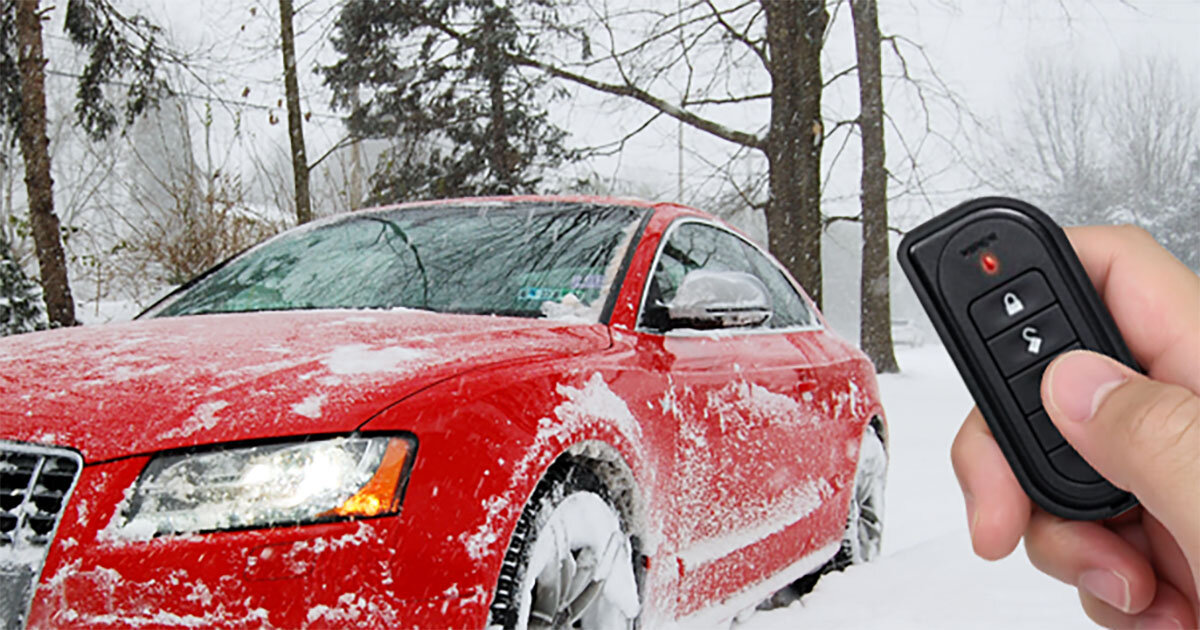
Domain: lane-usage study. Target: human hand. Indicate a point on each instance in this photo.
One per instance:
(1141, 569)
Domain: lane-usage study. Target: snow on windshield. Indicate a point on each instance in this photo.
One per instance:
(497, 260)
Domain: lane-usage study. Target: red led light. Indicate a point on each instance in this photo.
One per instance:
(990, 263)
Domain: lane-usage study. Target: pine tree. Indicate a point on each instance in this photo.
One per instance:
(463, 118)
(21, 306)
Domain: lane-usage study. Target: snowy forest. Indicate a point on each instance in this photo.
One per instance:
(144, 142)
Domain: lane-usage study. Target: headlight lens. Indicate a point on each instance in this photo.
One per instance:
(269, 485)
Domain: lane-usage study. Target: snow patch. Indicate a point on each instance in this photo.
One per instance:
(581, 405)
(596, 400)
(481, 540)
(740, 403)
(321, 545)
(162, 618)
(350, 607)
(571, 309)
(361, 359)
(310, 407)
(203, 418)
(787, 511)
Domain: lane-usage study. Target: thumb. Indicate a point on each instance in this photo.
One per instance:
(1142, 435)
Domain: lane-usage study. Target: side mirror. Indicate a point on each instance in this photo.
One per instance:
(719, 299)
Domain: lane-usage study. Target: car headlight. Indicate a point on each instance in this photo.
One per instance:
(268, 485)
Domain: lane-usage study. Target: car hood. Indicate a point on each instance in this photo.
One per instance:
(138, 387)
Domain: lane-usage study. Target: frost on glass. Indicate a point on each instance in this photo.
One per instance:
(250, 487)
(497, 260)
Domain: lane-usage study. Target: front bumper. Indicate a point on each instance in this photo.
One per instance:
(369, 573)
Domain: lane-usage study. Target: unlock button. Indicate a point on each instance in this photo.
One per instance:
(1032, 340)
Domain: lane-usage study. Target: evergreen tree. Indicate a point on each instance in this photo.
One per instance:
(21, 306)
(463, 116)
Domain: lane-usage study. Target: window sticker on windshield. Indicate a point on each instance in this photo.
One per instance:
(541, 294)
(589, 281)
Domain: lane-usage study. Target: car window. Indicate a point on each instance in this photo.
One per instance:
(511, 260)
(690, 246)
(790, 309)
(693, 245)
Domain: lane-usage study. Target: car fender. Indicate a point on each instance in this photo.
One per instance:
(486, 438)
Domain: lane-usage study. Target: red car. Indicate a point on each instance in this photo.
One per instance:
(518, 412)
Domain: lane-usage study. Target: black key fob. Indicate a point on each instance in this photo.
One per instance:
(1006, 294)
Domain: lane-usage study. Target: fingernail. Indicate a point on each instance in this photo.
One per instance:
(1158, 622)
(1109, 586)
(1078, 383)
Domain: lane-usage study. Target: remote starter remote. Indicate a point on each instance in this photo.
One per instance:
(1006, 294)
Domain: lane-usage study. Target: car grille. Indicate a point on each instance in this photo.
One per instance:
(35, 483)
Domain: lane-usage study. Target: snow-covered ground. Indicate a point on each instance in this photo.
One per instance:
(928, 577)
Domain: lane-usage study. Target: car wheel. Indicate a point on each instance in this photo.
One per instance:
(570, 562)
(864, 525)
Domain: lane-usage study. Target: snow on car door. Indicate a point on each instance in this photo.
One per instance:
(743, 403)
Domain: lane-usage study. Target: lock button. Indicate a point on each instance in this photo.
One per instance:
(1010, 303)
(1031, 340)
(1013, 304)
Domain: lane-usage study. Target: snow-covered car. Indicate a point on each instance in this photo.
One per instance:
(520, 412)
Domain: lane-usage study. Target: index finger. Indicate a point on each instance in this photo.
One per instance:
(1154, 298)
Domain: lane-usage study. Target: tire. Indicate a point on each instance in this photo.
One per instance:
(864, 524)
(570, 562)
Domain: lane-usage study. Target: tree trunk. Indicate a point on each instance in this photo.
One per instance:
(499, 134)
(295, 118)
(875, 322)
(795, 34)
(498, 129)
(35, 149)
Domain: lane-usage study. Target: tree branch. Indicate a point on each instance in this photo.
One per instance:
(636, 93)
(830, 220)
(738, 35)
(627, 90)
(726, 101)
(340, 144)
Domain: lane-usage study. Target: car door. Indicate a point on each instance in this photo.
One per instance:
(742, 401)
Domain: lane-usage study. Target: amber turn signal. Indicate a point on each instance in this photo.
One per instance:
(379, 495)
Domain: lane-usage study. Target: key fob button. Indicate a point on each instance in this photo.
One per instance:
(1032, 340)
(1047, 434)
(1072, 465)
(1010, 303)
(1027, 386)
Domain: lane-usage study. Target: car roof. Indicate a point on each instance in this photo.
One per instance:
(670, 208)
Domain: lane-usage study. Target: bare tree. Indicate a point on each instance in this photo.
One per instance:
(300, 165)
(1121, 146)
(116, 45)
(875, 303)
(35, 150)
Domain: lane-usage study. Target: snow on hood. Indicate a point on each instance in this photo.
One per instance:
(148, 385)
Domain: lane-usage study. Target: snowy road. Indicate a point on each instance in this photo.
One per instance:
(928, 577)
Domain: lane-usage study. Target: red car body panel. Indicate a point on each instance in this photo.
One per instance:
(226, 377)
(738, 451)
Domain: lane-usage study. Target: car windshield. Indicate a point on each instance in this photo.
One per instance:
(520, 259)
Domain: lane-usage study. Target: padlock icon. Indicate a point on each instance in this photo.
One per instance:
(1030, 334)
(1012, 304)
